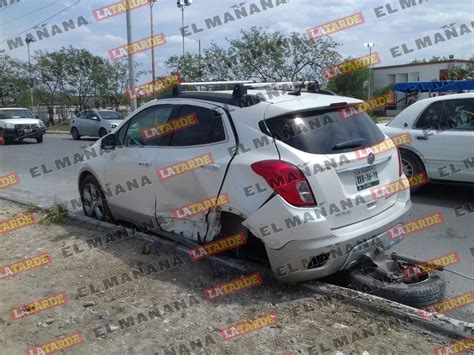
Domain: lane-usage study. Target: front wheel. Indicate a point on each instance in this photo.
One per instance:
(93, 200)
(413, 285)
(75, 133)
(39, 139)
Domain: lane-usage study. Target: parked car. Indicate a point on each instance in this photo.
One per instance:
(246, 142)
(94, 123)
(20, 123)
(442, 131)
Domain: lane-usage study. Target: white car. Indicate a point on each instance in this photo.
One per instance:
(279, 167)
(442, 138)
(20, 123)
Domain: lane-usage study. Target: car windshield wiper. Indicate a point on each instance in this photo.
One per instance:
(353, 143)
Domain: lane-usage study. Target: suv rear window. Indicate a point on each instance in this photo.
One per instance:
(324, 131)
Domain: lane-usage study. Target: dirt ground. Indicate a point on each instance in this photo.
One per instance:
(126, 302)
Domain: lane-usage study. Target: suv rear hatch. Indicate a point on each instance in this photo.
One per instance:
(329, 150)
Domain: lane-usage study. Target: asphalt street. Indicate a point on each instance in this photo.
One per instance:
(456, 234)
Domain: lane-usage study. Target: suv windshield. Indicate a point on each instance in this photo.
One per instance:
(110, 115)
(4, 114)
(324, 131)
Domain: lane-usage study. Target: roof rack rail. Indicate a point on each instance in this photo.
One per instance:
(177, 88)
(295, 87)
(211, 83)
(241, 86)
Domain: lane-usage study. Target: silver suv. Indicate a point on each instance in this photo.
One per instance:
(94, 123)
(20, 123)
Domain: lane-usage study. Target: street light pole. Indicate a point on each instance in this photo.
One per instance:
(131, 69)
(152, 2)
(29, 40)
(182, 4)
(369, 45)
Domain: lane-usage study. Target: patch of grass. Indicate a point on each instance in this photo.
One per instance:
(62, 126)
(56, 214)
(32, 207)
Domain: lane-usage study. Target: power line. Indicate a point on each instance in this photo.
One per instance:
(49, 18)
(29, 13)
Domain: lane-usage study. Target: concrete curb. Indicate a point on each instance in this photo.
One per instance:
(440, 323)
(57, 132)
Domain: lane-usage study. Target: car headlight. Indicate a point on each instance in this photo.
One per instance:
(9, 126)
(41, 124)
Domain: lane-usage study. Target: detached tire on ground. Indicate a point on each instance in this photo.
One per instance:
(431, 289)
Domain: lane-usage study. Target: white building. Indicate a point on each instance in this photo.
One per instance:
(404, 73)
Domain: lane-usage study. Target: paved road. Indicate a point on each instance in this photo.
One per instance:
(455, 235)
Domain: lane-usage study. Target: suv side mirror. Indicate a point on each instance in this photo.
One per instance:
(37, 116)
(109, 142)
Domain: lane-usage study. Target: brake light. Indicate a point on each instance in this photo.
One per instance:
(287, 181)
(400, 166)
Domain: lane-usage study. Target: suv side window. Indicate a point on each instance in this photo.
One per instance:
(209, 128)
(146, 127)
(458, 115)
(431, 117)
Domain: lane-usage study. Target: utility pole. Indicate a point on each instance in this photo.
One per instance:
(153, 76)
(182, 4)
(131, 69)
(369, 45)
(29, 40)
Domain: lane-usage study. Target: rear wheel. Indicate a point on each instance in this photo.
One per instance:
(75, 133)
(93, 200)
(418, 289)
(412, 165)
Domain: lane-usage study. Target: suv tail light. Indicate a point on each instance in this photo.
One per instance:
(400, 165)
(287, 181)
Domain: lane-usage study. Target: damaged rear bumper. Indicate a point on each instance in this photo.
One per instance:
(312, 250)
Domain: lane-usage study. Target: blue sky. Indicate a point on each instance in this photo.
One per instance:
(402, 26)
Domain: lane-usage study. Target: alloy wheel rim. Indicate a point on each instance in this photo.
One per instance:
(92, 202)
(407, 168)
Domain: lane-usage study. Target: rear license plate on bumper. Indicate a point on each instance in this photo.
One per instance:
(366, 178)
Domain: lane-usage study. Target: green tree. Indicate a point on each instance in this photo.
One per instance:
(461, 73)
(354, 84)
(48, 70)
(14, 83)
(260, 55)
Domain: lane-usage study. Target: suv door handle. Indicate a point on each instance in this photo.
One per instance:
(211, 166)
(144, 163)
(422, 138)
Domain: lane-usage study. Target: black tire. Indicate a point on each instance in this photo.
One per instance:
(429, 290)
(75, 134)
(103, 132)
(39, 139)
(412, 165)
(96, 206)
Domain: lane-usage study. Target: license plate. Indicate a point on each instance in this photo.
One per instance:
(366, 178)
